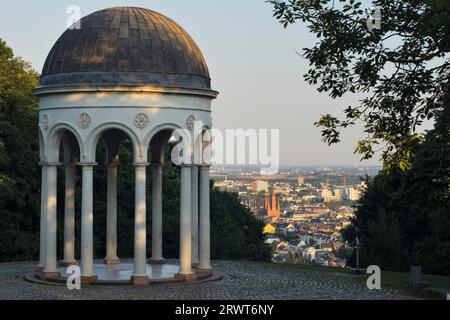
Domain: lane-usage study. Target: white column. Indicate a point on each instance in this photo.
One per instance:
(50, 251)
(205, 260)
(140, 276)
(185, 223)
(194, 219)
(69, 215)
(87, 221)
(157, 256)
(43, 235)
(111, 215)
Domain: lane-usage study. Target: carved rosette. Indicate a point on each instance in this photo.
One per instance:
(190, 123)
(46, 122)
(141, 120)
(85, 120)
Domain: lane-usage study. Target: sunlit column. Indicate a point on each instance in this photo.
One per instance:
(69, 215)
(157, 173)
(140, 276)
(87, 221)
(43, 235)
(50, 269)
(185, 223)
(194, 218)
(205, 260)
(111, 215)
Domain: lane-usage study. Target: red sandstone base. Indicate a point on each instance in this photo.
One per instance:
(205, 270)
(140, 281)
(186, 277)
(88, 280)
(49, 275)
(111, 261)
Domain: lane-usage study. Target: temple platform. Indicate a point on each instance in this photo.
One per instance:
(120, 274)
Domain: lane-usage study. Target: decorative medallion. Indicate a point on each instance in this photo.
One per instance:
(190, 123)
(46, 121)
(85, 120)
(141, 120)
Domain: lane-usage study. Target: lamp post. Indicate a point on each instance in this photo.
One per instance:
(357, 247)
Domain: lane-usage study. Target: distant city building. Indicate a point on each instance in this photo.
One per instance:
(301, 181)
(354, 194)
(260, 186)
(338, 193)
(329, 196)
(272, 205)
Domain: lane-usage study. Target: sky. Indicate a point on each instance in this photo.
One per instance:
(253, 62)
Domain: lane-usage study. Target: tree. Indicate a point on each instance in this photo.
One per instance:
(402, 69)
(404, 216)
(19, 157)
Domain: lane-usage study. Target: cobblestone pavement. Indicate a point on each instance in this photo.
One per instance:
(243, 280)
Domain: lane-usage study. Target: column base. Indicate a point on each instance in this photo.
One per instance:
(49, 275)
(88, 279)
(157, 261)
(186, 277)
(140, 281)
(195, 264)
(111, 261)
(205, 270)
(68, 263)
(39, 269)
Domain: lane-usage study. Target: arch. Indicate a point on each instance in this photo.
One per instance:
(54, 139)
(158, 146)
(167, 126)
(94, 137)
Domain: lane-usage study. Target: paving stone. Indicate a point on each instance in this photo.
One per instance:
(243, 280)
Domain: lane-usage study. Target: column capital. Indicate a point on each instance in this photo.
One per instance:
(140, 164)
(50, 164)
(205, 166)
(87, 164)
(189, 166)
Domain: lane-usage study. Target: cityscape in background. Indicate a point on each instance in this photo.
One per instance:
(303, 208)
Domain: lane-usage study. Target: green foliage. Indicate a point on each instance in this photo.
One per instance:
(404, 216)
(19, 157)
(236, 233)
(402, 69)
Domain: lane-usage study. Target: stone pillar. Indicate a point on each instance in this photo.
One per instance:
(50, 270)
(69, 216)
(205, 260)
(157, 256)
(140, 277)
(185, 272)
(194, 219)
(87, 225)
(43, 223)
(111, 215)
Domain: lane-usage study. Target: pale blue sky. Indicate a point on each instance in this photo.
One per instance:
(252, 60)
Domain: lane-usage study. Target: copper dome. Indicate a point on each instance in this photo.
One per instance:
(126, 46)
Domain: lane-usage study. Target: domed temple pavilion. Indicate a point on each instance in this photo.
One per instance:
(126, 73)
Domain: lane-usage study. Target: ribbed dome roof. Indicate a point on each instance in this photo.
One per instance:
(126, 46)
